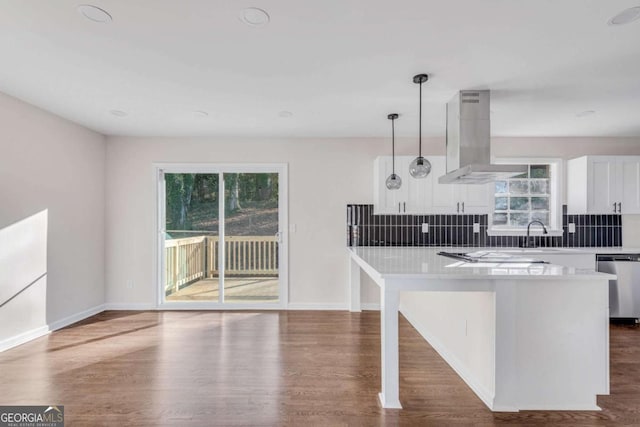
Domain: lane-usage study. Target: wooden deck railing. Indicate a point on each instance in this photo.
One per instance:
(194, 258)
(185, 261)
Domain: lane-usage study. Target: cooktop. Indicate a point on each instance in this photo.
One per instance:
(491, 257)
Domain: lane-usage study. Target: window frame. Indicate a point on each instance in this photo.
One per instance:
(555, 198)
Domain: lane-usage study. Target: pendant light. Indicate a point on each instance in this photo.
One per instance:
(394, 182)
(420, 167)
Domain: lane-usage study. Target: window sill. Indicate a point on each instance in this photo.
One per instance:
(518, 232)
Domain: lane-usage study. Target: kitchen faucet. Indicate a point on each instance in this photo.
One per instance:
(527, 242)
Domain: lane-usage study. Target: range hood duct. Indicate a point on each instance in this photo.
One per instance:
(469, 142)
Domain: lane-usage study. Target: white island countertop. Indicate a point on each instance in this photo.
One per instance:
(421, 262)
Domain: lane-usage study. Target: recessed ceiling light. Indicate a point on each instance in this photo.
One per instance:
(94, 13)
(200, 114)
(254, 17)
(285, 114)
(585, 113)
(626, 16)
(119, 113)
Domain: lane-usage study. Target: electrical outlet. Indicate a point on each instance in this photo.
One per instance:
(425, 227)
(129, 284)
(476, 227)
(572, 227)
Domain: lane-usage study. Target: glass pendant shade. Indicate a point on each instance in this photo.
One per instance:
(420, 167)
(394, 182)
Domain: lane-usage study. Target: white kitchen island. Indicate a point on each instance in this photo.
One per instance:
(542, 338)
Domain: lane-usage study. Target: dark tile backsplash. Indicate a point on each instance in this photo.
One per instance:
(366, 229)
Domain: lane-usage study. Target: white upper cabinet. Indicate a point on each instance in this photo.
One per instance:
(629, 179)
(458, 198)
(444, 197)
(419, 191)
(414, 196)
(474, 199)
(603, 185)
(426, 196)
(389, 201)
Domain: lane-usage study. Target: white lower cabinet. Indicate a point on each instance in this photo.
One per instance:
(426, 196)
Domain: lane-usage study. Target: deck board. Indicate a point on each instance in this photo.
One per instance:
(237, 290)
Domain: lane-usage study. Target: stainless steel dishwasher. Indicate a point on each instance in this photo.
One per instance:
(624, 293)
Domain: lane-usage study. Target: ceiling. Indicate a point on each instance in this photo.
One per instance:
(340, 66)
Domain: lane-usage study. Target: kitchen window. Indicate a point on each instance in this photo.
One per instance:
(534, 195)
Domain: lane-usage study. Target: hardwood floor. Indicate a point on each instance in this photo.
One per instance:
(267, 368)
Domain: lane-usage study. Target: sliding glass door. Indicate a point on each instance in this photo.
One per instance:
(221, 240)
(191, 237)
(251, 235)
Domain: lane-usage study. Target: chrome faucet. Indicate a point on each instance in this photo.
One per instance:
(527, 242)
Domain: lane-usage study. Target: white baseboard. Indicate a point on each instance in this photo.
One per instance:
(140, 306)
(290, 306)
(558, 407)
(313, 306)
(24, 337)
(370, 306)
(481, 391)
(45, 329)
(59, 324)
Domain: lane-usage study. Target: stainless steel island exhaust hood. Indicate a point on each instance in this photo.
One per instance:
(469, 142)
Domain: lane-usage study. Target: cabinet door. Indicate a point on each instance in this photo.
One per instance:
(601, 185)
(419, 191)
(444, 196)
(476, 199)
(628, 184)
(388, 201)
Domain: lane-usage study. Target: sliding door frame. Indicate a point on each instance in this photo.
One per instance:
(159, 169)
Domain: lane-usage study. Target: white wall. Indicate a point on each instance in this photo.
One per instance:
(324, 175)
(50, 165)
(23, 280)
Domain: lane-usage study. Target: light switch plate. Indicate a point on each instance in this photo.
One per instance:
(425, 227)
(476, 227)
(572, 227)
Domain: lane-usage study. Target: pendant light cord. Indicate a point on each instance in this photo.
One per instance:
(420, 125)
(393, 146)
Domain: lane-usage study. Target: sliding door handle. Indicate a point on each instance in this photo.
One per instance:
(619, 207)
(458, 207)
(614, 207)
(462, 207)
(404, 206)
